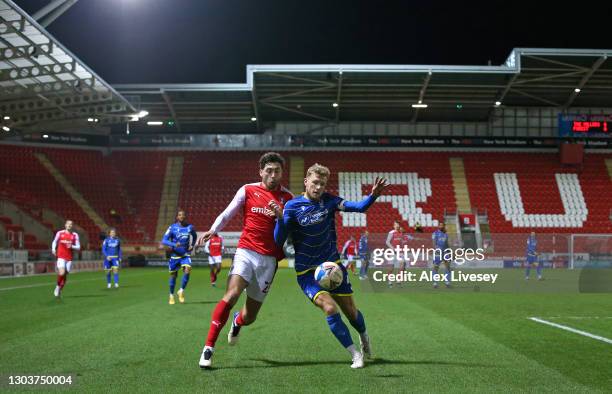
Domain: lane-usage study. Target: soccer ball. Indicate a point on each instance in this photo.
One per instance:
(328, 275)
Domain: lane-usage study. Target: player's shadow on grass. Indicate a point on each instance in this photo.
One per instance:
(376, 361)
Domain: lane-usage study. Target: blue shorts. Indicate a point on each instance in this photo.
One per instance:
(312, 289)
(177, 262)
(532, 259)
(114, 262)
(437, 261)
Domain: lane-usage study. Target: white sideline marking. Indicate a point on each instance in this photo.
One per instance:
(570, 329)
(51, 284)
(580, 317)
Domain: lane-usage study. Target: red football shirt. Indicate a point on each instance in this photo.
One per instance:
(258, 227)
(63, 244)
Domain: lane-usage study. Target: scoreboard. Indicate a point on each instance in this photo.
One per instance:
(576, 125)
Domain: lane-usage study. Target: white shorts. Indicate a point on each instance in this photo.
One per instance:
(349, 259)
(61, 263)
(398, 263)
(255, 268)
(214, 260)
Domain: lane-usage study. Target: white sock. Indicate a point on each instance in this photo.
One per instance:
(364, 336)
(352, 350)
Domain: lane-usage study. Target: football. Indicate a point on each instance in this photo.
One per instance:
(329, 275)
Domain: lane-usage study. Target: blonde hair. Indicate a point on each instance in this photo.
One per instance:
(319, 170)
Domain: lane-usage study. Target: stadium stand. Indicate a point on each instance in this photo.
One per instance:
(130, 182)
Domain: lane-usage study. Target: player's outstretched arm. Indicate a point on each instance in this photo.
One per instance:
(77, 242)
(166, 239)
(380, 184)
(232, 209)
(54, 244)
(282, 228)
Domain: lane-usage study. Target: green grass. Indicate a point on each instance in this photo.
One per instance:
(130, 339)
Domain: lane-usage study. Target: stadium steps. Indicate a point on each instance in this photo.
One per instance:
(31, 226)
(296, 174)
(462, 195)
(72, 191)
(170, 194)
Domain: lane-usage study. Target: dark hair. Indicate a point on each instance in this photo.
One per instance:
(271, 157)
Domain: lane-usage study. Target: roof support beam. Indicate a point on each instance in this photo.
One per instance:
(38, 15)
(543, 59)
(256, 108)
(584, 81)
(543, 100)
(56, 13)
(503, 94)
(421, 96)
(18, 73)
(298, 93)
(548, 77)
(338, 97)
(171, 109)
(296, 111)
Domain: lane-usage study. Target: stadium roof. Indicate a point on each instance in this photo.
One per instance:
(560, 78)
(43, 85)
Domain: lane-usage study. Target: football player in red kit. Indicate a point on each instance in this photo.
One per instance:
(64, 243)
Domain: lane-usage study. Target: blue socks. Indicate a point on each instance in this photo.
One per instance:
(108, 277)
(172, 284)
(185, 280)
(359, 323)
(340, 330)
(116, 277)
(528, 270)
(539, 270)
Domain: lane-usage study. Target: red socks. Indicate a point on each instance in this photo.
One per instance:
(219, 318)
(239, 320)
(61, 281)
(213, 276)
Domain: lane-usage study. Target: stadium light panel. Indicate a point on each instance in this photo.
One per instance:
(7, 118)
(155, 123)
(335, 105)
(498, 103)
(45, 136)
(253, 119)
(142, 114)
(577, 90)
(6, 128)
(421, 105)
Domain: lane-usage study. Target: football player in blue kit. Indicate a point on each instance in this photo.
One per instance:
(180, 238)
(532, 256)
(440, 244)
(310, 221)
(111, 250)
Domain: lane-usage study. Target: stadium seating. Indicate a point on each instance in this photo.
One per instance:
(532, 191)
(520, 191)
(30, 185)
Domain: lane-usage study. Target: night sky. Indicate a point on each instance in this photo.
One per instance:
(211, 41)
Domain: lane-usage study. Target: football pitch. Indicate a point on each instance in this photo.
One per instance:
(130, 340)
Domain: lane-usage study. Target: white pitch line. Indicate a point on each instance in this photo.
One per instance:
(51, 284)
(570, 329)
